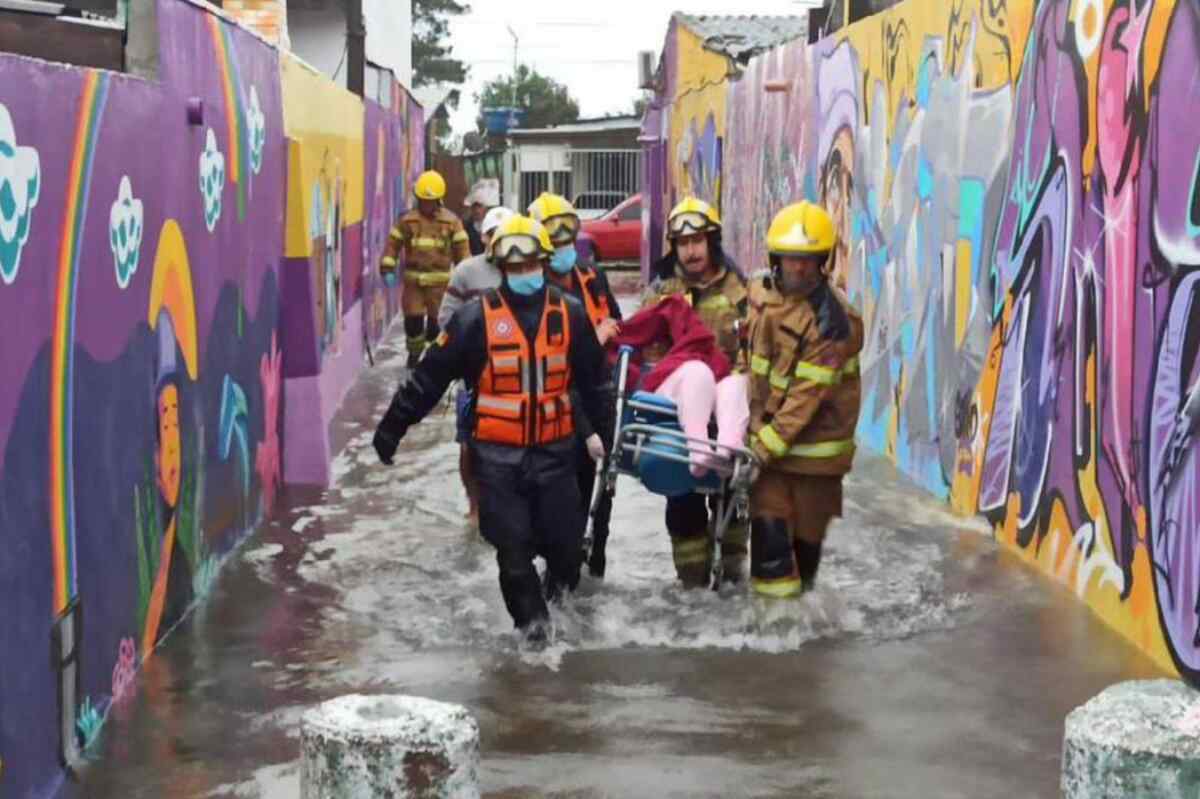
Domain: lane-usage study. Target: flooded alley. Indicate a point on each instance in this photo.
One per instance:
(927, 663)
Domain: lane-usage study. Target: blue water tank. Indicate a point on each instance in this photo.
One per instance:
(499, 121)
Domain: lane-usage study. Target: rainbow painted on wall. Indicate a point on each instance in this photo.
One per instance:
(62, 481)
(235, 110)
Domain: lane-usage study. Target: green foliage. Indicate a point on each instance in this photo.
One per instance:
(546, 101)
(147, 530)
(431, 51)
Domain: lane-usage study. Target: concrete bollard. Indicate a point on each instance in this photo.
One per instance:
(1138, 739)
(363, 747)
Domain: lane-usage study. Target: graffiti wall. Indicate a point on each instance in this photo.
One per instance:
(1016, 187)
(143, 234)
(139, 411)
(322, 278)
(394, 156)
(697, 117)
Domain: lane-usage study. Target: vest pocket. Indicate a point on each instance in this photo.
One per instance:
(500, 420)
(507, 375)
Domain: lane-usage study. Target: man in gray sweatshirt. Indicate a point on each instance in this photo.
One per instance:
(469, 279)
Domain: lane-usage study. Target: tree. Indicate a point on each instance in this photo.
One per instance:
(641, 103)
(546, 101)
(430, 51)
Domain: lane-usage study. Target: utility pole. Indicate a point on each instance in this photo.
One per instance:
(516, 49)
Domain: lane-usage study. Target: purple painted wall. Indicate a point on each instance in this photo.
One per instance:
(141, 371)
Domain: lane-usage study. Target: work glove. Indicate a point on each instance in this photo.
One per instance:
(385, 445)
(595, 447)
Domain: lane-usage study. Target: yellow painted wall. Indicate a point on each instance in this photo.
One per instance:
(702, 85)
(325, 123)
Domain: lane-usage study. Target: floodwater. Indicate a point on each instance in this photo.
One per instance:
(927, 664)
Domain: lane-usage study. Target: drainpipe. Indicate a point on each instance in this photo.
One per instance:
(356, 48)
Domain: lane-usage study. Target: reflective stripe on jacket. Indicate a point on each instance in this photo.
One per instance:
(524, 398)
(805, 388)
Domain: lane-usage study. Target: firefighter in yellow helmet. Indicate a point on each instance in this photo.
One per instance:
(528, 352)
(804, 344)
(697, 268)
(589, 285)
(433, 240)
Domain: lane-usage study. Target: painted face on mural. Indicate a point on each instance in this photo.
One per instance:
(694, 256)
(837, 186)
(169, 456)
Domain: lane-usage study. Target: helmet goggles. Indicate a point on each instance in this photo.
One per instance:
(562, 229)
(516, 247)
(688, 223)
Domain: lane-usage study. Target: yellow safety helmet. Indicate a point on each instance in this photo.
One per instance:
(518, 239)
(558, 216)
(430, 186)
(801, 229)
(693, 215)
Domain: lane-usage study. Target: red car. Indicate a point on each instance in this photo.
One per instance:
(616, 236)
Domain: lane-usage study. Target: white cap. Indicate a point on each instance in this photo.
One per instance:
(495, 218)
(486, 192)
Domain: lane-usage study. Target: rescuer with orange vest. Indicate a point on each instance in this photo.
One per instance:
(528, 351)
(589, 285)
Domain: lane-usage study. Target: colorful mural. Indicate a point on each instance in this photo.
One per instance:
(697, 117)
(1016, 187)
(394, 151)
(143, 263)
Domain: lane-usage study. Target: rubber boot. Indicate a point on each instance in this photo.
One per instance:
(691, 556)
(773, 570)
(808, 560)
(734, 546)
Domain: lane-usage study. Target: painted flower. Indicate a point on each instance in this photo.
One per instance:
(266, 460)
(212, 180)
(124, 671)
(20, 185)
(256, 124)
(125, 232)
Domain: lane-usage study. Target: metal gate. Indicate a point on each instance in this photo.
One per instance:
(595, 181)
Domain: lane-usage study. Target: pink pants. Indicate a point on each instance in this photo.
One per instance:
(696, 392)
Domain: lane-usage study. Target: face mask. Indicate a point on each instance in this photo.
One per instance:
(528, 284)
(563, 260)
(798, 285)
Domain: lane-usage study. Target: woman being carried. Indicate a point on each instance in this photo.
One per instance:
(694, 374)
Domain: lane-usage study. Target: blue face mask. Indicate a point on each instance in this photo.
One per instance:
(564, 258)
(528, 284)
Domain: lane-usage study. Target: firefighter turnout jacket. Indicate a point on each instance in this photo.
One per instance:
(433, 246)
(721, 302)
(805, 390)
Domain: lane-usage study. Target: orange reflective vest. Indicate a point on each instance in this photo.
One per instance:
(523, 396)
(593, 298)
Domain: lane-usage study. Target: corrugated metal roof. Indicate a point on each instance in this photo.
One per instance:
(742, 38)
(584, 126)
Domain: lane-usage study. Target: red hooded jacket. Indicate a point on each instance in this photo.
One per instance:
(671, 321)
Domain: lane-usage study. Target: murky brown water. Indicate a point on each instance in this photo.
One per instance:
(927, 664)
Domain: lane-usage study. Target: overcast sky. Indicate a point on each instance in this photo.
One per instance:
(591, 47)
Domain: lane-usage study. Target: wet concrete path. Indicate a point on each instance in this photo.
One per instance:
(927, 664)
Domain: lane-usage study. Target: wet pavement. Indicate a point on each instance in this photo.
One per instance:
(927, 664)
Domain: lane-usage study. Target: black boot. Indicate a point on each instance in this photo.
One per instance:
(597, 560)
(808, 560)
